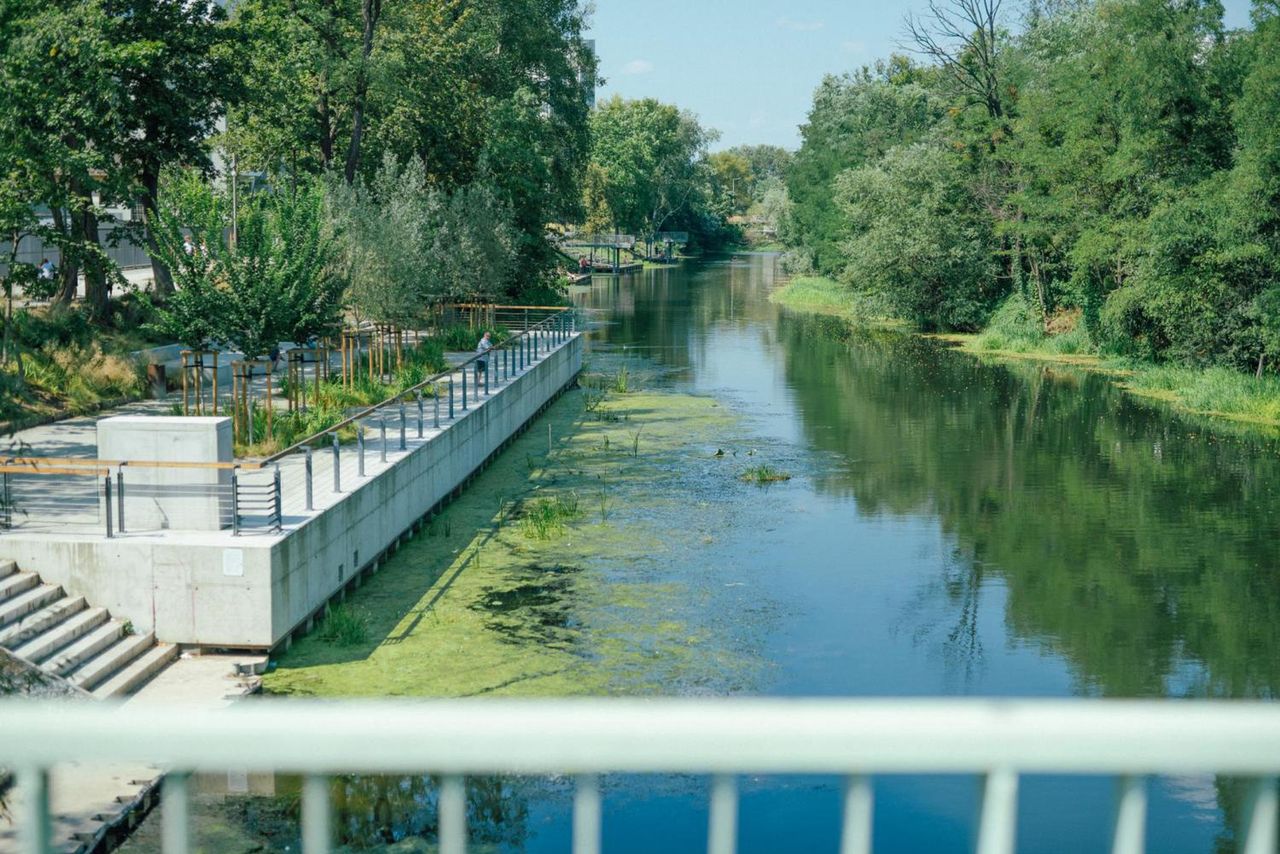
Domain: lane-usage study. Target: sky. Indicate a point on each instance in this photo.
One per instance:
(748, 68)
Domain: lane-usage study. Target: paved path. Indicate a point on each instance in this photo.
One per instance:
(71, 503)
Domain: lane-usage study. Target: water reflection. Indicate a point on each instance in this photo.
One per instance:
(1137, 546)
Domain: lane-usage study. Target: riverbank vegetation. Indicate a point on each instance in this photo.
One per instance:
(375, 162)
(1097, 177)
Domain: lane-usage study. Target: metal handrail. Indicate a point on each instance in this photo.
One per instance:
(364, 413)
(64, 465)
(1001, 740)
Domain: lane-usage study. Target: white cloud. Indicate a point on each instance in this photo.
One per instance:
(855, 46)
(638, 66)
(800, 26)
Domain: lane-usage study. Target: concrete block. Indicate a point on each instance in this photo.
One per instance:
(181, 499)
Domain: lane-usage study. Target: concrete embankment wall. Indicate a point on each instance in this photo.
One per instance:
(215, 590)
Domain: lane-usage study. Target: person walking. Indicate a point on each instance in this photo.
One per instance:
(482, 363)
(46, 270)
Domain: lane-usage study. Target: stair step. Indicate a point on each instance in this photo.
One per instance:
(137, 671)
(71, 657)
(7, 567)
(101, 666)
(17, 582)
(46, 644)
(33, 600)
(40, 621)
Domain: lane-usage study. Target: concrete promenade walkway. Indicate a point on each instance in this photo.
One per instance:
(70, 503)
(91, 803)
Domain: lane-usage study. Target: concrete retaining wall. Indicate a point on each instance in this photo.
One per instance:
(214, 590)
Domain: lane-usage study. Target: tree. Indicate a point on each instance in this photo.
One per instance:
(595, 200)
(474, 245)
(963, 38)
(276, 281)
(653, 156)
(59, 119)
(731, 181)
(917, 239)
(177, 76)
(854, 120)
(384, 233)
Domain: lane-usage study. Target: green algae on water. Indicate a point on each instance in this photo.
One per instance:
(614, 602)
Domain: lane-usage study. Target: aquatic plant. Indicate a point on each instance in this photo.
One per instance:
(544, 518)
(622, 381)
(764, 474)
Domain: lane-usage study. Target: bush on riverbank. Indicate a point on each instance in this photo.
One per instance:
(1016, 328)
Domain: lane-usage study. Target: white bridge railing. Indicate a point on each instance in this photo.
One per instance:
(1000, 740)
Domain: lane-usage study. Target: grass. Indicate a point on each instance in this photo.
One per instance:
(820, 295)
(545, 518)
(621, 381)
(1210, 391)
(345, 626)
(764, 474)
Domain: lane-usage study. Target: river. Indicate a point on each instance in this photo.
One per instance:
(950, 528)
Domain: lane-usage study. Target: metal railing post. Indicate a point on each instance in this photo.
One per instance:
(486, 377)
(421, 415)
(360, 450)
(382, 429)
(235, 499)
(403, 446)
(464, 388)
(120, 499)
(35, 831)
(279, 498)
(106, 487)
(337, 465)
(435, 406)
(6, 509)
(450, 398)
(310, 493)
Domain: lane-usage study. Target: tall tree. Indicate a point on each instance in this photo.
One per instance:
(177, 74)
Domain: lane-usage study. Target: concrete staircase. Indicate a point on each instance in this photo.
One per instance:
(65, 636)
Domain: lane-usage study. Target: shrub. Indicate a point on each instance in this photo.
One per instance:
(345, 626)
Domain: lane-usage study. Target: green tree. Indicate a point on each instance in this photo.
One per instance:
(732, 182)
(653, 157)
(854, 121)
(384, 229)
(177, 74)
(918, 239)
(265, 277)
(58, 128)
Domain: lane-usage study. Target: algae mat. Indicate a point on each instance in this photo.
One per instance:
(583, 561)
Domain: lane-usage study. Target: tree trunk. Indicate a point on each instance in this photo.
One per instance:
(95, 274)
(370, 11)
(326, 126)
(69, 260)
(1262, 360)
(150, 202)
